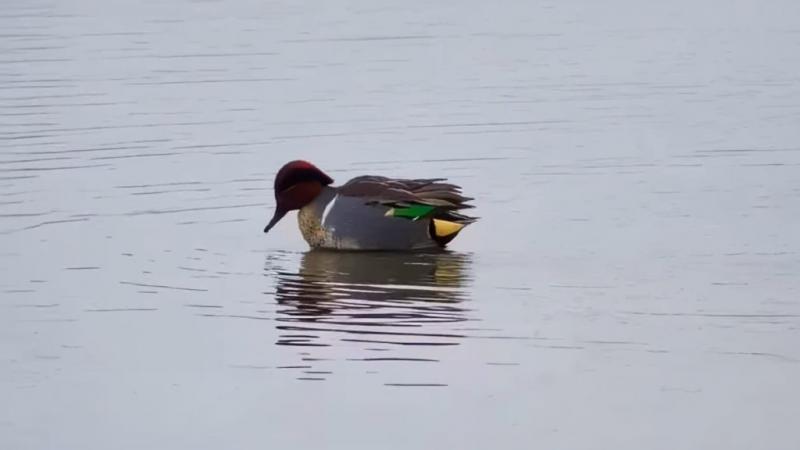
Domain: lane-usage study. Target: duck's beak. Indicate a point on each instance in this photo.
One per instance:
(279, 213)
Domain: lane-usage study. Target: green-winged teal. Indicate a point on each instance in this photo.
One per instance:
(369, 212)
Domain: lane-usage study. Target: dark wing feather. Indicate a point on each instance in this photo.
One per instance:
(446, 197)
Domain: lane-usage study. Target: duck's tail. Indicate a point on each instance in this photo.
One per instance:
(445, 227)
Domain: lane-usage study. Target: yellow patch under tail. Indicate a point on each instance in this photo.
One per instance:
(444, 228)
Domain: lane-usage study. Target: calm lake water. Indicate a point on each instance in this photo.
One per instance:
(633, 283)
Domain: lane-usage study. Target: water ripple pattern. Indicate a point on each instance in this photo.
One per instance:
(632, 282)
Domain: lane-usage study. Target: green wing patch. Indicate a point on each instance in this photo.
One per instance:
(413, 211)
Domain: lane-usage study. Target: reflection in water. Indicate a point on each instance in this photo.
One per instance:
(382, 298)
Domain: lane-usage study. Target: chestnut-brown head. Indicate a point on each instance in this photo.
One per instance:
(297, 184)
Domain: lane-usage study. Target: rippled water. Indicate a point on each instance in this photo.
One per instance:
(632, 283)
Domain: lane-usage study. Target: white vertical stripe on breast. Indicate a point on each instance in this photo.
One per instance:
(328, 209)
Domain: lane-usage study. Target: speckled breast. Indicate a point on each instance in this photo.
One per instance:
(311, 228)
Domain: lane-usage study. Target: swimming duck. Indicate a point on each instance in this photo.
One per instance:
(369, 212)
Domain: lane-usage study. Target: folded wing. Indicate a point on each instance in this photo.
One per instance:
(413, 198)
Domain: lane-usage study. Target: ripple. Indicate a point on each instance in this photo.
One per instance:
(401, 300)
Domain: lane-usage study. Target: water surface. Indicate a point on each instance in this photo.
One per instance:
(632, 282)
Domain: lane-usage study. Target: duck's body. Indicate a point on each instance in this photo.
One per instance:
(337, 221)
(375, 213)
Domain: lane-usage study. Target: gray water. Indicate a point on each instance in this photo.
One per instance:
(632, 283)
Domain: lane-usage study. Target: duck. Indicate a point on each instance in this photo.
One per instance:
(369, 212)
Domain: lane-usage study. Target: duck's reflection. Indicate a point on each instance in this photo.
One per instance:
(382, 298)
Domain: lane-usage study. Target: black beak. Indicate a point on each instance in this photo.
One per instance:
(275, 219)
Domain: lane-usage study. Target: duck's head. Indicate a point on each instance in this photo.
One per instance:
(297, 184)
